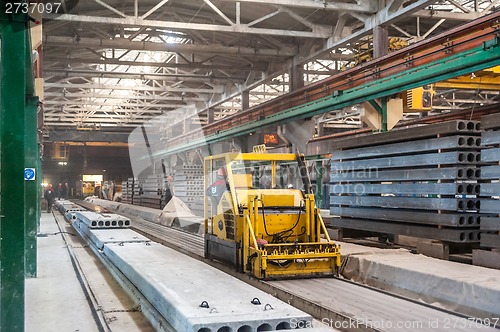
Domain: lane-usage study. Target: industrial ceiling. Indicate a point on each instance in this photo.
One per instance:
(111, 65)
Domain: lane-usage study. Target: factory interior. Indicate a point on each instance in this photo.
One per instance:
(249, 165)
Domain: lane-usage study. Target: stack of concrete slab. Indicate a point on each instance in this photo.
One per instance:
(101, 237)
(193, 296)
(151, 195)
(102, 220)
(175, 214)
(127, 190)
(420, 182)
(68, 209)
(136, 191)
(490, 192)
(188, 187)
(65, 206)
(175, 285)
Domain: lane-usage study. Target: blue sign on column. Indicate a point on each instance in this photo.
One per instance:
(29, 174)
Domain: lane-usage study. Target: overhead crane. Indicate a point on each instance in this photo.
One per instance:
(482, 80)
(486, 79)
(469, 48)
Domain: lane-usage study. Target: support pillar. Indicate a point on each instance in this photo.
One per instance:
(321, 129)
(245, 100)
(14, 50)
(296, 77)
(210, 115)
(380, 41)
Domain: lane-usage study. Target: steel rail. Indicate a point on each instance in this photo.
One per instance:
(96, 309)
(430, 61)
(147, 308)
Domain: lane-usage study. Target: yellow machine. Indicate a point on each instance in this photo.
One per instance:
(260, 216)
(418, 99)
(365, 52)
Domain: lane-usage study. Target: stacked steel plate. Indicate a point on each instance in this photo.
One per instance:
(490, 176)
(420, 181)
(188, 187)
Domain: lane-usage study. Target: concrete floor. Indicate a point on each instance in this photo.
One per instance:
(56, 301)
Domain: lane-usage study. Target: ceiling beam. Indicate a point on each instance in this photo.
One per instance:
(87, 136)
(152, 10)
(56, 124)
(104, 116)
(452, 16)
(125, 44)
(99, 119)
(139, 76)
(186, 26)
(58, 111)
(382, 17)
(94, 104)
(93, 95)
(93, 86)
(258, 66)
(362, 6)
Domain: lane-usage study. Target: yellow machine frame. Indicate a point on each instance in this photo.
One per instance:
(268, 233)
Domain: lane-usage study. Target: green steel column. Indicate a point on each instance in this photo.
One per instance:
(384, 114)
(31, 212)
(39, 175)
(32, 188)
(13, 50)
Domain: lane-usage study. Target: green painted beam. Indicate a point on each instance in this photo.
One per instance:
(454, 65)
(13, 50)
(375, 105)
